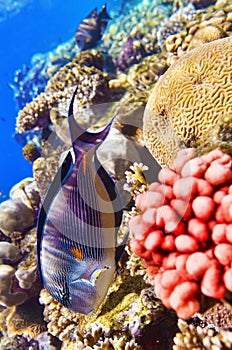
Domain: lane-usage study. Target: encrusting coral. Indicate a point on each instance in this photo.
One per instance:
(183, 230)
(18, 213)
(192, 96)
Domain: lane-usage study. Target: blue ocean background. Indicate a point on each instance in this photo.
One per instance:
(37, 27)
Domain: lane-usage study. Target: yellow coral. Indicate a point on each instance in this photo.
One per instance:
(189, 99)
(147, 72)
(201, 338)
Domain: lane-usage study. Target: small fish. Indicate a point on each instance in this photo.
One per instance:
(77, 227)
(91, 29)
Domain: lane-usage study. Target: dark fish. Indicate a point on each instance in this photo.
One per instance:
(91, 29)
(78, 224)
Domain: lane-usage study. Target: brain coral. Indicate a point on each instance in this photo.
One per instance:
(189, 99)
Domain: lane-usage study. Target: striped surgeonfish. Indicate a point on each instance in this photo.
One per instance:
(77, 227)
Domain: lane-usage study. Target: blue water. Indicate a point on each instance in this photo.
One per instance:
(38, 27)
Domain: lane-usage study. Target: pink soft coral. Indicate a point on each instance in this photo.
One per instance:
(184, 230)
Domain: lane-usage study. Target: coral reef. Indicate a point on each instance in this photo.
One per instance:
(183, 230)
(46, 166)
(202, 27)
(135, 29)
(26, 192)
(146, 73)
(30, 152)
(18, 214)
(31, 80)
(18, 273)
(189, 100)
(219, 315)
(202, 3)
(85, 77)
(181, 248)
(7, 297)
(206, 338)
(175, 25)
(92, 86)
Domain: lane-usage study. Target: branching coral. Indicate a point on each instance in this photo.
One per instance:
(183, 232)
(206, 338)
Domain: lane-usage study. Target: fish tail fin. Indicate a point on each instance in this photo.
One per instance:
(78, 133)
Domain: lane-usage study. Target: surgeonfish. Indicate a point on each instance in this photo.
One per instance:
(91, 29)
(77, 248)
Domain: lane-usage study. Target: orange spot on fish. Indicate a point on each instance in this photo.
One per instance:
(77, 253)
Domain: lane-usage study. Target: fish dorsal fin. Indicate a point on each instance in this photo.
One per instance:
(79, 134)
(93, 14)
(103, 13)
